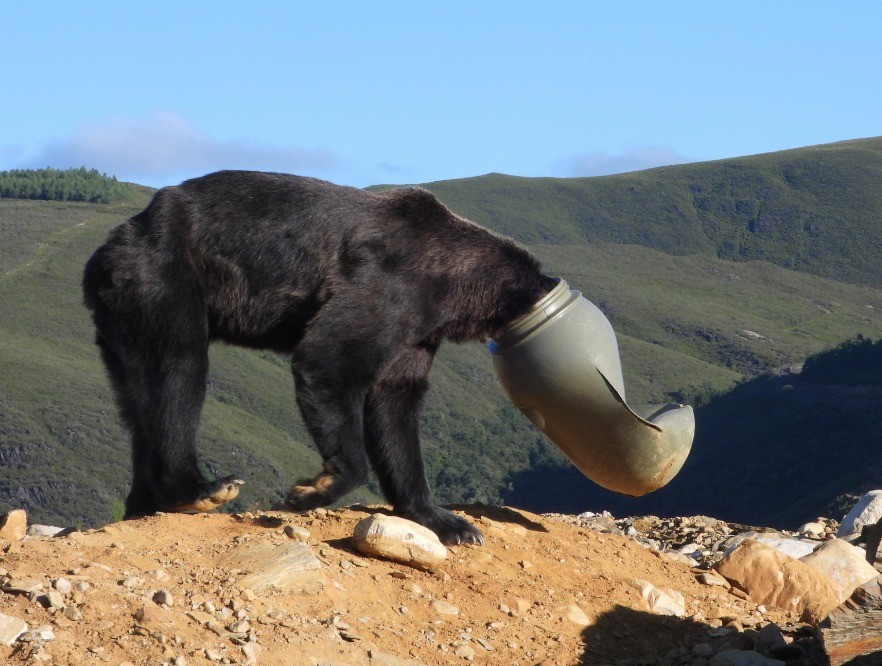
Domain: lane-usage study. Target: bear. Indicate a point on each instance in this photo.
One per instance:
(358, 288)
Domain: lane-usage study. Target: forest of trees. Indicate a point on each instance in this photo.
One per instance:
(61, 185)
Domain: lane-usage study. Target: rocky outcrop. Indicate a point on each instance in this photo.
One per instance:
(770, 577)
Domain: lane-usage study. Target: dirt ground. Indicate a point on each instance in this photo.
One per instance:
(538, 591)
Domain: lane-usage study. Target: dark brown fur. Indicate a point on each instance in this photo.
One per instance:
(359, 288)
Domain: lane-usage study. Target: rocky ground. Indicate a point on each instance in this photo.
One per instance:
(186, 589)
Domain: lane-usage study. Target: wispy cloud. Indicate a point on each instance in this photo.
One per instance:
(635, 158)
(165, 147)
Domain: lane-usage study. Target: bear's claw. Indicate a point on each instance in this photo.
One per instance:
(223, 490)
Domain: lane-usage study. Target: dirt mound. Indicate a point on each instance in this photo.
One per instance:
(173, 589)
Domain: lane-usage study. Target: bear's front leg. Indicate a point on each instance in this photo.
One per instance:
(392, 414)
(331, 385)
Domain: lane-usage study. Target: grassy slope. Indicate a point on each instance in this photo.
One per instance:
(814, 210)
(679, 310)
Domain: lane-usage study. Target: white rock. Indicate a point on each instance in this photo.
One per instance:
(297, 532)
(44, 633)
(158, 575)
(795, 548)
(661, 602)
(73, 613)
(43, 530)
(63, 585)
(574, 614)
(444, 608)
(11, 628)
(399, 539)
(845, 564)
(813, 527)
(867, 511)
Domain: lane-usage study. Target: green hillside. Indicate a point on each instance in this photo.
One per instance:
(814, 210)
(692, 321)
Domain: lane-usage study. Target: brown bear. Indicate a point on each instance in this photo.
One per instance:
(359, 288)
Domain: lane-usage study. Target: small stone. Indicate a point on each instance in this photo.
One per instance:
(399, 539)
(249, 650)
(54, 599)
(348, 635)
(63, 585)
(200, 617)
(520, 605)
(662, 602)
(11, 628)
(712, 578)
(23, 586)
(287, 567)
(526, 564)
(572, 613)
(814, 528)
(44, 633)
(248, 594)
(73, 613)
(163, 598)
(444, 608)
(158, 575)
(772, 637)
(239, 627)
(296, 532)
(44, 530)
(465, 651)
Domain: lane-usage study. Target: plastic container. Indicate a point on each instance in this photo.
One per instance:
(559, 364)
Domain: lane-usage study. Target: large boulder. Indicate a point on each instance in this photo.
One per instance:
(844, 564)
(772, 578)
(867, 511)
(14, 525)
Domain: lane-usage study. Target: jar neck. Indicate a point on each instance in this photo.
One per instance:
(544, 309)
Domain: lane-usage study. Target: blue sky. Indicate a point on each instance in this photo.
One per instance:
(410, 92)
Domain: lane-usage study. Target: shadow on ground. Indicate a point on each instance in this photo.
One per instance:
(627, 636)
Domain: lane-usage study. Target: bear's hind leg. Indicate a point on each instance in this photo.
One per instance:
(161, 399)
(158, 378)
(392, 412)
(171, 407)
